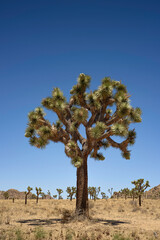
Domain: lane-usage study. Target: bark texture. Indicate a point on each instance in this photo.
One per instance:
(82, 190)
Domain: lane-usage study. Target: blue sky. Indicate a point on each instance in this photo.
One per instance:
(46, 44)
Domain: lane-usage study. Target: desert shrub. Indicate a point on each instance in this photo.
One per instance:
(120, 237)
(133, 203)
(66, 215)
(40, 233)
(135, 209)
(69, 234)
(91, 205)
(19, 235)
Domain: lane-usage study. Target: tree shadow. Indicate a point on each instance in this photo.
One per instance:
(40, 222)
(109, 222)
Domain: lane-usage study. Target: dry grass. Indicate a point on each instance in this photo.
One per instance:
(52, 219)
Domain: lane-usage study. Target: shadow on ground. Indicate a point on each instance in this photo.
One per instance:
(110, 222)
(40, 222)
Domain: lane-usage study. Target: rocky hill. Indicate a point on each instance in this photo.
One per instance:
(13, 193)
(153, 192)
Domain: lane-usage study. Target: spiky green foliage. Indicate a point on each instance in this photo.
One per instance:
(92, 100)
(126, 155)
(136, 115)
(119, 130)
(71, 149)
(97, 156)
(77, 161)
(83, 83)
(97, 131)
(80, 115)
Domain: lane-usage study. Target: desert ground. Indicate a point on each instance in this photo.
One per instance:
(116, 219)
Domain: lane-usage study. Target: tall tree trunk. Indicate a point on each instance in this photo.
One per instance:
(37, 199)
(26, 199)
(140, 200)
(82, 190)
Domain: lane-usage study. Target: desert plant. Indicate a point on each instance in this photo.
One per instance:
(110, 190)
(140, 187)
(54, 196)
(29, 189)
(6, 195)
(43, 195)
(38, 192)
(103, 195)
(40, 233)
(60, 191)
(93, 111)
(133, 193)
(49, 193)
(71, 191)
(125, 192)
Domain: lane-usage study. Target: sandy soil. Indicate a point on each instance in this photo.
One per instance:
(50, 219)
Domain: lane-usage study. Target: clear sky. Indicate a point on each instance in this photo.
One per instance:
(46, 44)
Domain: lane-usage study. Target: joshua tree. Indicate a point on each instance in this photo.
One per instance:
(43, 195)
(59, 193)
(71, 191)
(125, 192)
(49, 193)
(29, 189)
(110, 190)
(103, 195)
(54, 196)
(6, 195)
(38, 192)
(140, 187)
(90, 191)
(133, 193)
(96, 192)
(93, 110)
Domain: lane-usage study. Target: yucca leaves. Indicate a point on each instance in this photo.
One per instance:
(119, 129)
(80, 115)
(97, 131)
(77, 161)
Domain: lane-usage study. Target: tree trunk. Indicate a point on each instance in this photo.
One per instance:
(82, 190)
(37, 199)
(25, 199)
(140, 200)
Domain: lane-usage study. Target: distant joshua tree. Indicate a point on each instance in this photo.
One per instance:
(29, 189)
(6, 195)
(43, 195)
(49, 193)
(94, 192)
(71, 191)
(103, 195)
(60, 191)
(140, 187)
(54, 196)
(110, 190)
(38, 192)
(133, 193)
(125, 192)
